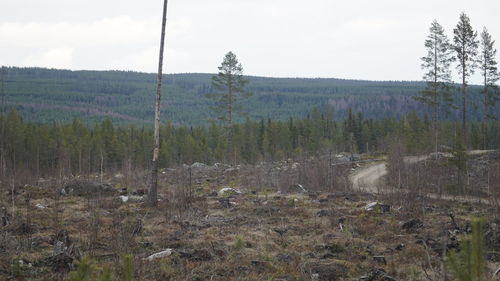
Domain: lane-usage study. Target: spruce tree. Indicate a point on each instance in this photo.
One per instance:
(465, 46)
(489, 71)
(438, 75)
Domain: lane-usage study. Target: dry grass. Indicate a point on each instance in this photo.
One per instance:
(266, 233)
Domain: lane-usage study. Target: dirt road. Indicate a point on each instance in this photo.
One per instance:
(368, 178)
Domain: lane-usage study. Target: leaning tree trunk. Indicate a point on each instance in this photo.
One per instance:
(153, 188)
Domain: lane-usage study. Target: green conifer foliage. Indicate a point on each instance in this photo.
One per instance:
(469, 263)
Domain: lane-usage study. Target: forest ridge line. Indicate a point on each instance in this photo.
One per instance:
(48, 95)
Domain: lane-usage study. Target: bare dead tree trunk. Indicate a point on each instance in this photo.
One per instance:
(153, 188)
(3, 164)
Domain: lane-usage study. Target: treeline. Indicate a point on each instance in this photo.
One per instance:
(34, 150)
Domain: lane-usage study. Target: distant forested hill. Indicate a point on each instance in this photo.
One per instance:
(48, 95)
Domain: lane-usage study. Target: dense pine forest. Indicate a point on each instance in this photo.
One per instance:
(50, 95)
(36, 150)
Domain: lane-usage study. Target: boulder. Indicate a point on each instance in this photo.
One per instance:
(228, 191)
(221, 166)
(40, 206)
(198, 165)
(131, 198)
(159, 255)
(342, 157)
(376, 206)
(135, 198)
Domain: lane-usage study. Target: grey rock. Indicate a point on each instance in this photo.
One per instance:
(227, 191)
(159, 255)
(198, 165)
(376, 206)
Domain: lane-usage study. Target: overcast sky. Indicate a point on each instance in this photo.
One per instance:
(358, 39)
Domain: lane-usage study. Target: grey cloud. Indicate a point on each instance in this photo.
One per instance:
(363, 39)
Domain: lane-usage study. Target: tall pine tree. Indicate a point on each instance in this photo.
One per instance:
(230, 86)
(489, 71)
(438, 75)
(465, 46)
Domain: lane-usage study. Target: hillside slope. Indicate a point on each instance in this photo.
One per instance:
(47, 95)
